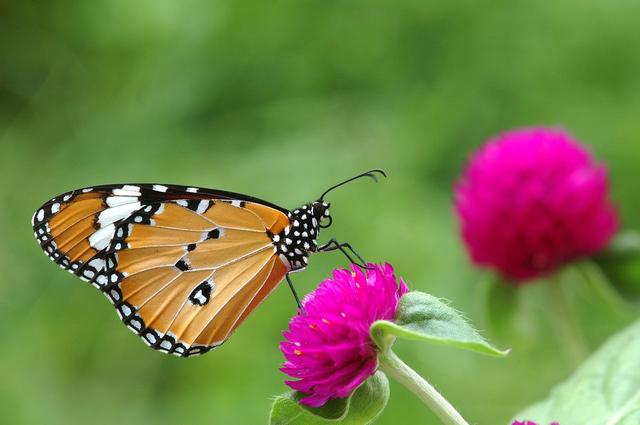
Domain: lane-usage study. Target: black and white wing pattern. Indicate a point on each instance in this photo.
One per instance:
(183, 266)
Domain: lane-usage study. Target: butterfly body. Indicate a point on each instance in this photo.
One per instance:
(296, 241)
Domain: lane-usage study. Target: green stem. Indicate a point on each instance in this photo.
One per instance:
(393, 366)
(592, 274)
(568, 331)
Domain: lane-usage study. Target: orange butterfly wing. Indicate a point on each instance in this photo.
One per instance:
(183, 266)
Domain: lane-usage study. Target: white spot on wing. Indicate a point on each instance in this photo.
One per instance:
(55, 208)
(114, 201)
(127, 190)
(135, 324)
(192, 189)
(101, 238)
(202, 206)
(200, 297)
(40, 215)
(97, 263)
(111, 215)
(160, 188)
(115, 295)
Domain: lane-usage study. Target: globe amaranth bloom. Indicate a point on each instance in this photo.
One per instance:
(531, 200)
(327, 346)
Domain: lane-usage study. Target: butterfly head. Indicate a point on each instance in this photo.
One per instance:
(294, 243)
(320, 210)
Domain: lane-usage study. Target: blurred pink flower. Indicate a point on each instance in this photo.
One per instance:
(327, 346)
(531, 200)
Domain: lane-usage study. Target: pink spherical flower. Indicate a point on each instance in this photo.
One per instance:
(531, 200)
(328, 347)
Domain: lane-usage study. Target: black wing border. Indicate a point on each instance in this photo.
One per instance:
(154, 195)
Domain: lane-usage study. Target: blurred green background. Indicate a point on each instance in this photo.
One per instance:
(280, 100)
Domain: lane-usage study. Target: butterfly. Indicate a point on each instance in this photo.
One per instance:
(183, 266)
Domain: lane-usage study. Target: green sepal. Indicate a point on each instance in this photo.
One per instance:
(362, 407)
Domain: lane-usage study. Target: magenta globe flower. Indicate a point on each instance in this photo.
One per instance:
(328, 347)
(531, 200)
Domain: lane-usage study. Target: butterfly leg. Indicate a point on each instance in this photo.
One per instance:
(333, 245)
(295, 294)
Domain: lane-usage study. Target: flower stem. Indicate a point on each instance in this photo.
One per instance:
(568, 331)
(391, 364)
(593, 276)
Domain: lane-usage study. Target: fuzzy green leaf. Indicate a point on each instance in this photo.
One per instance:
(362, 407)
(424, 317)
(605, 390)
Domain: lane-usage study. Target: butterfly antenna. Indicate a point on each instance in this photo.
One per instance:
(371, 173)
